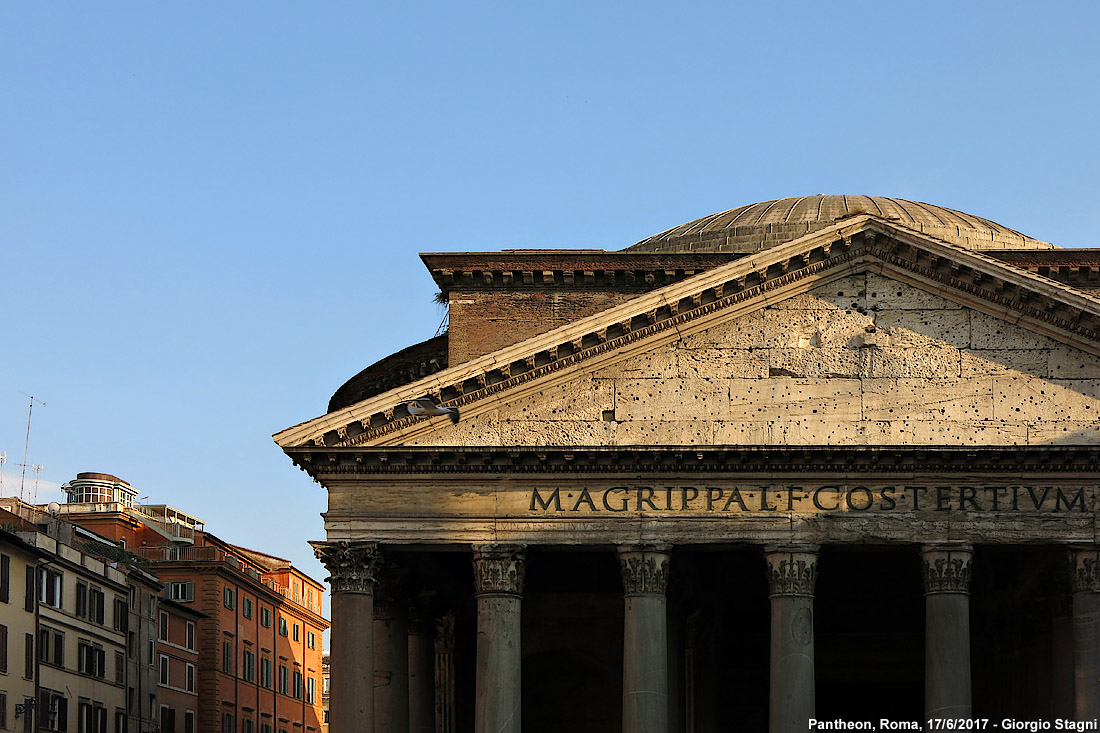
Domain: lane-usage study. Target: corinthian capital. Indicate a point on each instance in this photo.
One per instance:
(946, 568)
(352, 566)
(644, 569)
(1085, 569)
(499, 570)
(792, 571)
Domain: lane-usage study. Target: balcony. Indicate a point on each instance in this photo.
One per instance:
(289, 595)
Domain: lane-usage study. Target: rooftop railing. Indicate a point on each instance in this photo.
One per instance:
(215, 554)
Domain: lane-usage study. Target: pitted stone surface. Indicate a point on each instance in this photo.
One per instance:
(862, 360)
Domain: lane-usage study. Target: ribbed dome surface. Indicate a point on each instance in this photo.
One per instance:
(766, 224)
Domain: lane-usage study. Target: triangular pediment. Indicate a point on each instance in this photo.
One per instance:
(865, 333)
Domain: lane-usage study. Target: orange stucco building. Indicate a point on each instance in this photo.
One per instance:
(256, 619)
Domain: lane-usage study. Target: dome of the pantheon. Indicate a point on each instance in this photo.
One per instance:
(759, 226)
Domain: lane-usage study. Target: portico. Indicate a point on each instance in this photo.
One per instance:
(853, 474)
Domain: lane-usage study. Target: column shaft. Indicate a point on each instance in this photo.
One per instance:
(792, 574)
(1086, 632)
(352, 568)
(391, 670)
(498, 575)
(947, 631)
(421, 680)
(645, 638)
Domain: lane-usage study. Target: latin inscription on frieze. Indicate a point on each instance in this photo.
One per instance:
(802, 499)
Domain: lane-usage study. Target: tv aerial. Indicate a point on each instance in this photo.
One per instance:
(26, 445)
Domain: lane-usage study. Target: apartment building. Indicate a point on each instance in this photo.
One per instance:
(252, 662)
(18, 601)
(177, 662)
(76, 654)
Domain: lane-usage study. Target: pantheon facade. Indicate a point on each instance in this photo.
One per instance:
(813, 461)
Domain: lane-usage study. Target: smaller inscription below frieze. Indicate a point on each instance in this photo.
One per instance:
(806, 499)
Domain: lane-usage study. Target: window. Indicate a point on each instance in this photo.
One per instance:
(28, 656)
(164, 669)
(121, 616)
(282, 626)
(180, 591)
(265, 617)
(246, 611)
(190, 637)
(96, 603)
(5, 578)
(311, 640)
(265, 727)
(229, 725)
(296, 633)
(190, 679)
(265, 673)
(230, 597)
(120, 721)
(246, 725)
(92, 660)
(89, 603)
(297, 684)
(51, 646)
(248, 666)
(152, 653)
(53, 710)
(284, 679)
(120, 668)
(28, 600)
(49, 587)
(3, 710)
(3, 649)
(163, 626)
(227, 657)
(167, 719)
(311, 690)
(189, 722)
(91, 718)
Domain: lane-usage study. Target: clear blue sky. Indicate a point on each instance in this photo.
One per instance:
(210, 213)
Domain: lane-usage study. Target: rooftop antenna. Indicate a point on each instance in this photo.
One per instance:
(30, 408)
(37, 470)
(3, 460)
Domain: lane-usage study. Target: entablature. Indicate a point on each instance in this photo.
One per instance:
(1000, 460)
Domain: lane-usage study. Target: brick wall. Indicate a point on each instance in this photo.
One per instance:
(481, 323)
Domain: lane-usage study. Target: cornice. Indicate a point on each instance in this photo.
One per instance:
(323, 463)
(567, 269)
(967, 276)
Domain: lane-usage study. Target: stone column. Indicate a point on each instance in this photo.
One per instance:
(391, 656)
(792, 573)
(1060, 683)
(645, 637)
(498, 579)
(946, 570)
(1085, 578)
(421, 646)
(352, 567)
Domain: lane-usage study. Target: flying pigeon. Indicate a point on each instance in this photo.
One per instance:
(425, 407)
